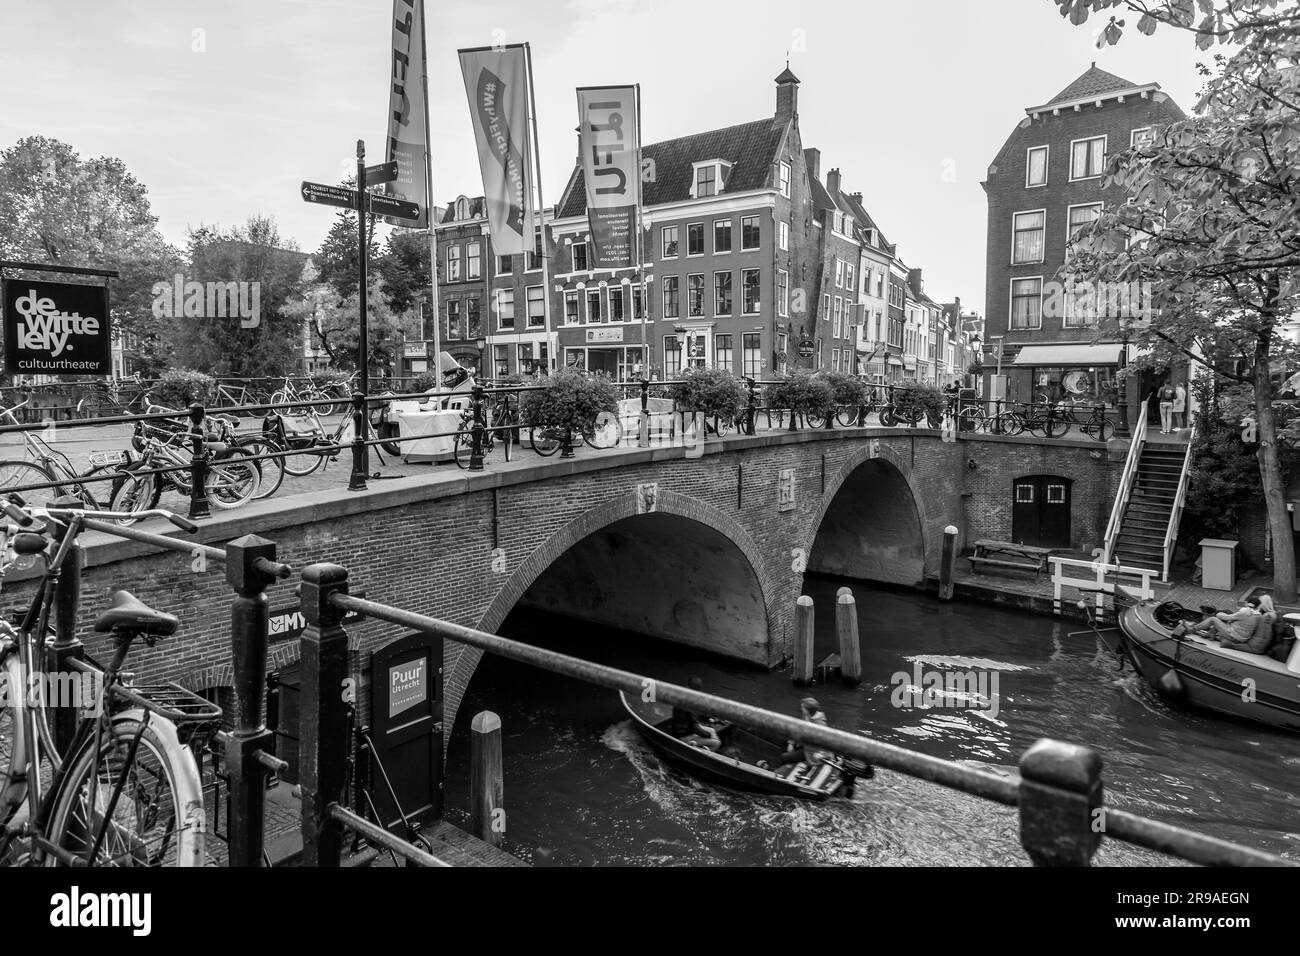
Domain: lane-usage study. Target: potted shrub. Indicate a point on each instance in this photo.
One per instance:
(850, 394)
(715, 393)
(182, 387)
(804, 394)
(915, 402)
(571, 400)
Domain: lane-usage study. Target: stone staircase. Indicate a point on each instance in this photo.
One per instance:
(1141, 539)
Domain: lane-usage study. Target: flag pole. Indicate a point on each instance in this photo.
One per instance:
(431, 206)
(551, 348)
(640, 247)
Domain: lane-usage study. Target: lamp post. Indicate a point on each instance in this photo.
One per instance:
(481, 343)
(1121, 389)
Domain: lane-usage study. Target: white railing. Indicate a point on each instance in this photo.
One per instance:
(1098, 582)
(1125, 487)
(1175, 516)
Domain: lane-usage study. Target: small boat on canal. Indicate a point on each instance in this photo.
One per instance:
(1191, 669)
(737, 763)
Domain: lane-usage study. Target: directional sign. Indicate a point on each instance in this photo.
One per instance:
(329, 195)
(383, 173)
(397, 208)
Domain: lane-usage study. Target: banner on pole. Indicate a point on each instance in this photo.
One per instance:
(608, 133)
(408, 134)
(496, 81)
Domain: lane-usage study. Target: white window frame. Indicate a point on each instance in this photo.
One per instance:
(573, 264)
(616, 288)
(577, 313)
(1047, 159)
(704, 296)
(454, 257)
(1079, 205)
(717, 287)
(496, 260)
(783, 179)
(758, 219)
(783, 235)
(783, 296)
(498, 294)
(743, 310)
(1132, 134)
(731, 231)
(601, 317)
(1105, 147)
(1042, 245)
(1011, 304)
(475, 273)
(663, 242)
(703, 247)
(528, 323)
(839, 273)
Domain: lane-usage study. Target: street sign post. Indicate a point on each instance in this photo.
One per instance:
(397, 208)
(329, 195)
(383, 173)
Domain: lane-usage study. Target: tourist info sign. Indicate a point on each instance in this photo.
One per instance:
(347, 199)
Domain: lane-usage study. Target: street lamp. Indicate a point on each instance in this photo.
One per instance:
(482, 344)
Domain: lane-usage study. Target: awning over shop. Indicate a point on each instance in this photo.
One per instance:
(895, 360)
(1105, 353)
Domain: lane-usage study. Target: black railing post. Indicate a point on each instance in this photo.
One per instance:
(830, 416)
(199, 507)
(360, 450)
(324, 738)
(643, 420)
(566, 445)
(1061, 812)
(477, 430)
(66, 647)
(250, 743)
(751, 407)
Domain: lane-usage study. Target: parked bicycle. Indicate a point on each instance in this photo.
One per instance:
(290, 392)
(1037, 419)
(45, 464)
(107, 398)
(126, 790)
(244, 394)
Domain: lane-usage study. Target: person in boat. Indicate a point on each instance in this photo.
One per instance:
(811, 711)
(688, 727)
(1261, 639)
(1237, 628)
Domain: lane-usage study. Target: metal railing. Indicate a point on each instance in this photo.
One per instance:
(1125, 487)
(1059, 791)
(1176, 515)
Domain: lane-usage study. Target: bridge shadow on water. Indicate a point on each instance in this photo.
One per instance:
(584, 789)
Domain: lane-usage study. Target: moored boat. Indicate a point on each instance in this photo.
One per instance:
(1201, 673)
(737, 764)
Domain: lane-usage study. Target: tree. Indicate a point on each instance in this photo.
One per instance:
(56, 207)
(404, 267)
(252, 253)
(332, 322)
(336, 259)
(1212, 226)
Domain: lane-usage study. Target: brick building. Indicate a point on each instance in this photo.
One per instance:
(730, 254)
(1044, 184)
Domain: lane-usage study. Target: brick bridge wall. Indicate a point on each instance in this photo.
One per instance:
(467, 547)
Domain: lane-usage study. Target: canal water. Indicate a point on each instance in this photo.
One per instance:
(582, 788)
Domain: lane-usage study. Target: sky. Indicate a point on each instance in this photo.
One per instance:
(222, 107)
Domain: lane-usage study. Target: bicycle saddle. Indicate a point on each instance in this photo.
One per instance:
(129, 613)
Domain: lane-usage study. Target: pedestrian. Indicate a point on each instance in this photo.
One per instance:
(1180, 407)
(1165, 395)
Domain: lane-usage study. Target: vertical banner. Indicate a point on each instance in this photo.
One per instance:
(496, 80)
(408, 117)
(608, 132)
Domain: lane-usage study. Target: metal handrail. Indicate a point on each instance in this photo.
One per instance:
(1176, 515)
(1140, 831)
(382, 838)
(1125, 488)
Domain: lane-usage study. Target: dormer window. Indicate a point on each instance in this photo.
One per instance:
(710, 178)
(462, 208)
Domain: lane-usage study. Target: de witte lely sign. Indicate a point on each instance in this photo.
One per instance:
(55, 328)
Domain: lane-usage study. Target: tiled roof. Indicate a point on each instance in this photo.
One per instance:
(749, 147)
(1092, 83)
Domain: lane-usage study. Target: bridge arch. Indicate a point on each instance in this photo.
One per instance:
(726, 607)
(874, 522)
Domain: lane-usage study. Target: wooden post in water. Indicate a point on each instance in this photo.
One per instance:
(486, 786)
(846, 630)
(948, 563)
(803, 640)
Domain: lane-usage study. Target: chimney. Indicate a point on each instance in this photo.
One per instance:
(857, 198)
(812, 158)
(914, 281)
(787, 96)
(833, 181)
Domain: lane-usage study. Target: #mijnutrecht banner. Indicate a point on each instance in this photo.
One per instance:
(56, 328)
(496, 80)
(408, 134)
(608, 140)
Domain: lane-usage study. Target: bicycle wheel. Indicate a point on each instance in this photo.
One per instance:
(304, 458)
(158, 819)
(847, 415)
(462, 446)
(814, 420)
(1011, 423)
(722, 426)
(134, 493)
(545, 441)
(272, 468)
(233, 480)
(888, 416)
(970, 420)
(13, 730)
(1054, 427)
(14, 474)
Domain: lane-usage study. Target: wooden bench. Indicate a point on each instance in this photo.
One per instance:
(1008, 554)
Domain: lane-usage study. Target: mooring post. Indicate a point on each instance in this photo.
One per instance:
(1061, 812)
(643, 420)
(199, 507)
(751, 407)
(486, 784)
(360, 450)
(66, 647)
(803, 640)
(948, 563)
(846, 630)
(324, 737)
(250, 569)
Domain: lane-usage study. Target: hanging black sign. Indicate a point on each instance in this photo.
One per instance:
(55, 328)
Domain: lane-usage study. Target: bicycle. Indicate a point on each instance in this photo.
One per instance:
(48, 465)
(1036, 419)
(289, 392)
(979, 418)
(126, 791)
(109, 398)
(1097, 426)
(462, 443)
(310, 448)
(233, 476)
(245, 395)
